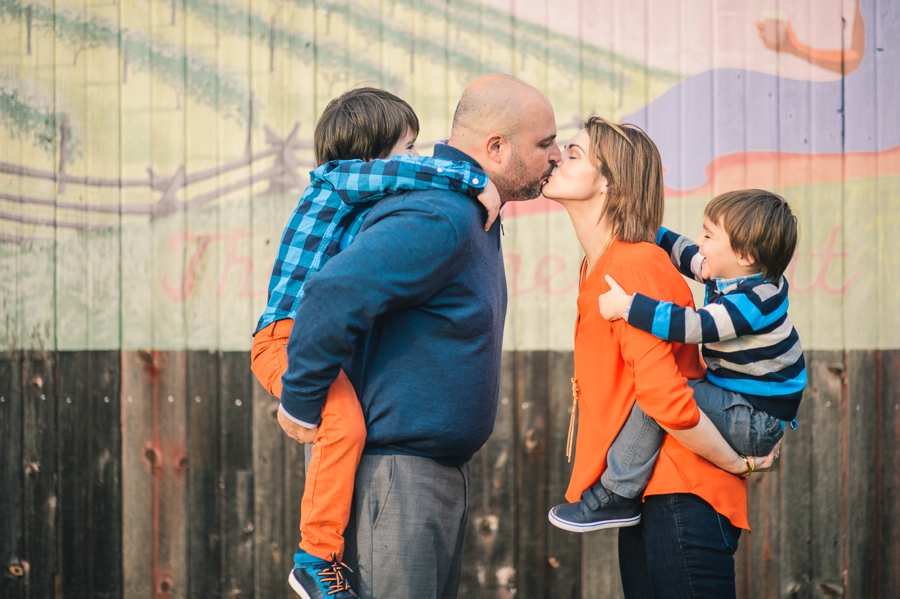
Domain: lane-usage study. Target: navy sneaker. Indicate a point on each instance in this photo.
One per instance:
(314, 578)
(598, 509)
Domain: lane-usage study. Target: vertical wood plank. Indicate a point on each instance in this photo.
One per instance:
(204, 544)
(139, 467)
(236, 478)
(12, 541)
(90, 506)
(169, 495)
(488, 564)
(600, 578)
(862, 476)
(564, 548)
(795, 504)
(40, 461)
(762, 548)
(826, 372)
(273, 540)
(106, 475)
(532, 410)
(74, 476)
(888, 524)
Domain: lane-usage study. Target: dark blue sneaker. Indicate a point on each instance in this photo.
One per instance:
(314, 578)
(598, 509)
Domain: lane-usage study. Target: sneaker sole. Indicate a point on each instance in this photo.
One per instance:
(296, 586)
(574, 527)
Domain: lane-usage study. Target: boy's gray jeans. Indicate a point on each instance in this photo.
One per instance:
(633, 454)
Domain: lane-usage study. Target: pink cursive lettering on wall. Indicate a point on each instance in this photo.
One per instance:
(180, 291)
(826, 258)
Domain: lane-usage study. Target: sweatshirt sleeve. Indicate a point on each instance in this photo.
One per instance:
(357, 181)
(740, 312)
(683, 252)
(660, 389)
(403, 255)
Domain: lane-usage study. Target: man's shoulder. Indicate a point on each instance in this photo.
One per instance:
(455, 207)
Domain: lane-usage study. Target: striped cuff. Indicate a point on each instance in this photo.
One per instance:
(297, 420)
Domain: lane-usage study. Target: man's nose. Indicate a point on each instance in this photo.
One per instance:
(555, 154)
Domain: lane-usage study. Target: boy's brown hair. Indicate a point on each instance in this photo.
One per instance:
(362, 124)
(760, 225)
(629, 160)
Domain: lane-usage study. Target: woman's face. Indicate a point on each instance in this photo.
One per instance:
(575, 178)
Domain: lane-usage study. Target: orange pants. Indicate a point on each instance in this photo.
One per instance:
(328, 493)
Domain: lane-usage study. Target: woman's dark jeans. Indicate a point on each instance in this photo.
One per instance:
(681, 549)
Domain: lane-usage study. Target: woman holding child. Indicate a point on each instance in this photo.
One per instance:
(681, 540)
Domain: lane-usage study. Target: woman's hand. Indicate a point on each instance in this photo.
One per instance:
(490, 199)
(297, 432)
(614, 303)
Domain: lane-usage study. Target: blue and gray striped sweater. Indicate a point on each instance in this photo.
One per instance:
(749, 344)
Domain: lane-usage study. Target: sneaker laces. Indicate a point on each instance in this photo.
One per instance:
(334, 576)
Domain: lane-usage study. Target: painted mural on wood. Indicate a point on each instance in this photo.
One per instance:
(151, 152)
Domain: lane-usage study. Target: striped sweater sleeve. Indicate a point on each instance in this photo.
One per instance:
(744, 311)
(357, 181)
(683, 252)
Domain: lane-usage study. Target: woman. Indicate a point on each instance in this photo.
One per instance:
(610, 182)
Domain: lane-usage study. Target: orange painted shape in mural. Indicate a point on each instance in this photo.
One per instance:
(768, 170)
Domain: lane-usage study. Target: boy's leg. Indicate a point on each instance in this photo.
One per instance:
(749, 431)
(615, 501)
(631, 457)
(268, 356)
(328, 493)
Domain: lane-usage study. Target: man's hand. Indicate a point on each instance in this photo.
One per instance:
(614, 302)
(297, 432)
(490, 199)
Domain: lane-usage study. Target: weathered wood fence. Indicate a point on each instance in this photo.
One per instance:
(164, 474)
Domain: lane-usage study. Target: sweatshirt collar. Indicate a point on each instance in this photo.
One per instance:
(726, 285)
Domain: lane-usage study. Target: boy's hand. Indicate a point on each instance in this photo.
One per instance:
(614, 302)
(490, 199)
(762, 464)
(297, 432)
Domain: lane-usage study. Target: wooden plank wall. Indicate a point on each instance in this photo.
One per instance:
(164, 474)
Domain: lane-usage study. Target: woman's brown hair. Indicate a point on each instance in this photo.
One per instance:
(629, 160)
(362, 124)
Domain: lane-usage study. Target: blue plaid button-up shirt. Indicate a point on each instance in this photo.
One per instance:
(332, 208)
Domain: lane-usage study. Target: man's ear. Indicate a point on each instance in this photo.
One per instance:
(495, 147)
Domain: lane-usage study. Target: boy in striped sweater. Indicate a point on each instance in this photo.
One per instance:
(755, 367)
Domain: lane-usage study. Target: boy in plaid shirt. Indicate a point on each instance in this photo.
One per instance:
(355, 134)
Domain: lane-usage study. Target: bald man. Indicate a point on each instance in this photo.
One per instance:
(414, 310)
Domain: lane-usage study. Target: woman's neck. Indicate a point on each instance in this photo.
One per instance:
(591, 227)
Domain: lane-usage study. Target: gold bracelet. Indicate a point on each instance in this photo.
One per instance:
(749, 463)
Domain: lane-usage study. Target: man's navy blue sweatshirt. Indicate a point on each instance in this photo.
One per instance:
(413, 310)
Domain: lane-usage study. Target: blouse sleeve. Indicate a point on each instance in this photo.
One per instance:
(660, 389)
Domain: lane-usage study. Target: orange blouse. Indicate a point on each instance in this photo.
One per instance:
(616, 365)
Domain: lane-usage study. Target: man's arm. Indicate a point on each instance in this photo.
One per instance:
(683, 252)
(402, 257)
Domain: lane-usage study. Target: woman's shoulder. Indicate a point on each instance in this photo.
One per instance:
(646, 268)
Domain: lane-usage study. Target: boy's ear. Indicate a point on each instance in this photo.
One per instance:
(746, 260)
(495, 147)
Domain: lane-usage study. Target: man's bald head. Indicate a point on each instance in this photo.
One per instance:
(508, 126)
(496, 103)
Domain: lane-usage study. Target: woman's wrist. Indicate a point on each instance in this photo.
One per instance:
(745, 468)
